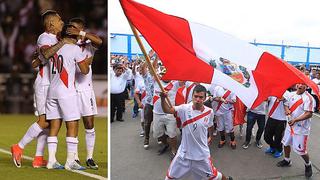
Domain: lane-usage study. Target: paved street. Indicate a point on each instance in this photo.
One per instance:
(129, 160)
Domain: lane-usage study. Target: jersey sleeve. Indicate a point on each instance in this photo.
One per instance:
(43, 41)
(308, 103)
(179, 110)
(80, 56)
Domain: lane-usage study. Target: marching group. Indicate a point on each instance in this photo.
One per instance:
(202, 110)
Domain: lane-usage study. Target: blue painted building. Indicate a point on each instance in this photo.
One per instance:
(125, 44)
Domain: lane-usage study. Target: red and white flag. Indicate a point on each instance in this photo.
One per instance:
(198, 53)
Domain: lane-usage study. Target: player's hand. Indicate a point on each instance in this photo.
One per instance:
(223, 100)
(35, 54)
(69, 41)
(163, 94)
(73, 31)
(288, 112)
(291, 123)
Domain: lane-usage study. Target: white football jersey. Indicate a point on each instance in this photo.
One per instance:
(194, 142)
(45, 40)
(62, 71)
(84, 82)
(301, 127)
(171, 88)
(224, 107)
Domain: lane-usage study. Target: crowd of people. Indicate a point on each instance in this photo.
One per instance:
(202, 111)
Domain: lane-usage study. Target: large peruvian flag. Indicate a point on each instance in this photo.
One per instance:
(199, 53)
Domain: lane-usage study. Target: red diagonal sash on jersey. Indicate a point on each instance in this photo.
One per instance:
(143, 94)
(292, 108)
(167, 88)
(63, 73)
(274, 107)
(41, 70)
(195, 118)
(226, 94)
(179, 99)
(188, 91)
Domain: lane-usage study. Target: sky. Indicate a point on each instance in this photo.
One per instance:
(293, 22)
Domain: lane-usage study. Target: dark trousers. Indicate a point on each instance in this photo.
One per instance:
(317, 102)
(252, 118)
(136, 106)
(148, 118)
(117, 105)
(273, 133)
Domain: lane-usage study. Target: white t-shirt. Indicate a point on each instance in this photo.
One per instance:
(301, 127)
(315, 80)
(84, 82)
(171, 87)
(118, 84)
(62, 71)
(224, 107)
(141, 89)
(279, 112)
(194, 142)
(261, 109)
(45, 40)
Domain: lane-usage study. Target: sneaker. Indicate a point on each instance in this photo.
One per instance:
(163, 149)
(16, 153)
(229, 178)
(39, 162)
(121, 120)
(54, 165)
(259, 144)
(91, 164)
(159, 141)
(134, 115)
(146, 143)
(284, 163)
(308, 170)
(73, 166)
(221, 144)
(245, 145)
(277, 154)
(141, 134)
(215, 132)
(233, 144)
(270, 150)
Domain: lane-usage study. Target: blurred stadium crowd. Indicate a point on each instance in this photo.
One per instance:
(20, 26)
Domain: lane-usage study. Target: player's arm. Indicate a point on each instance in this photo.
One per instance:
(165, 107)
(47, 51)
(84, 66)
(35, 60)
(304, 116)
(95, 40)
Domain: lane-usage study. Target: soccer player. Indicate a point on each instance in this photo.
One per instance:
(193, 154)
(299, 107)
(62, 101)
(89, 43)
(48, 44)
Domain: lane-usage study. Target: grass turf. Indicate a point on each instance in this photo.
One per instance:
(13, 127)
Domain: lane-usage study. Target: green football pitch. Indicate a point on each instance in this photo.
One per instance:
(13, 127)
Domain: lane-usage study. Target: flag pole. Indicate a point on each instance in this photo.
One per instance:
(153, 72)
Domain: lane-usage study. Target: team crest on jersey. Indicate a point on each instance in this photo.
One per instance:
(236, 72)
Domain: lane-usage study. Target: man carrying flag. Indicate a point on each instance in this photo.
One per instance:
(193, 154)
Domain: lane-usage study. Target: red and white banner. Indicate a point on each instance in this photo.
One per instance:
(199, 53)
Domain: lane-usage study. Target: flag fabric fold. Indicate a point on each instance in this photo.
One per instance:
(198, 53)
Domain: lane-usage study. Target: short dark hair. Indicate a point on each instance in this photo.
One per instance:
(64, 31)
(48, 14)
(77, 20)
(199, 88)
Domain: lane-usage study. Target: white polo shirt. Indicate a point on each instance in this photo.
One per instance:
(194, 143)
